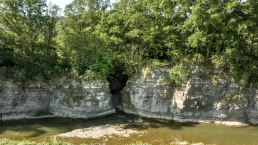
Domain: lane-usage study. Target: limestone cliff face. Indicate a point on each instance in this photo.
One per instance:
(199, 99)
(62, 97)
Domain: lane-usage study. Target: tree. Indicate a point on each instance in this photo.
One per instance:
(28, 32)
(79, 39)
(49, 29)
(96, 39)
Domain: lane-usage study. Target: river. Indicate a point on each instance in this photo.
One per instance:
(153, 131)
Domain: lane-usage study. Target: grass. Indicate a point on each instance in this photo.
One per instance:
(26, 142)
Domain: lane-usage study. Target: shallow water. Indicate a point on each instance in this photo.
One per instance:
(156, 132)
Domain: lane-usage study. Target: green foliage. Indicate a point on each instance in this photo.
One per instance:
(43, 113)
(94, 39)
(179, 74)
(73, 94)
(219, 32)
(238, 99)
(79, 41)
(27, 40)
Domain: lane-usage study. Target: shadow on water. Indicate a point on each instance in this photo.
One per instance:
(155, 130)
(32, 128)
(155, 123)
(140, 123)
(29, 131)
(26, 128)
(51, 126)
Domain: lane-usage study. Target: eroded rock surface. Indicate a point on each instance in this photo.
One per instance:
(200, 99)
(62, 97)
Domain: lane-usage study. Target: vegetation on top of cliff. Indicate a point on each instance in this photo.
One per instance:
(95, 38)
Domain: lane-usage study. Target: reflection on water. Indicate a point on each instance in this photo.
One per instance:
(155, 131)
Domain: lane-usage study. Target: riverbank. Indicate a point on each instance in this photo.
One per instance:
(150, 131)
(12, 142)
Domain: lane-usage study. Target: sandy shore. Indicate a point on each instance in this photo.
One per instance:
(100, 131)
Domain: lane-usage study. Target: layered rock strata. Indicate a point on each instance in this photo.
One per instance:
(200, 99)
(60, 98)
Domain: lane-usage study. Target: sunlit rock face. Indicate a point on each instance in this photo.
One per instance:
(20, 101)
(200, 99)
(150, 94)
(61, 97)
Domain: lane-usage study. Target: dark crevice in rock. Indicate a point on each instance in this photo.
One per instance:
(117, 81)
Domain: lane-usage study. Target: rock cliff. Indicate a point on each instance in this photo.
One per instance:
(200, 99)
(60, 97)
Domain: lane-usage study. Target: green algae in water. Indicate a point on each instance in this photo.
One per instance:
(156, 132)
